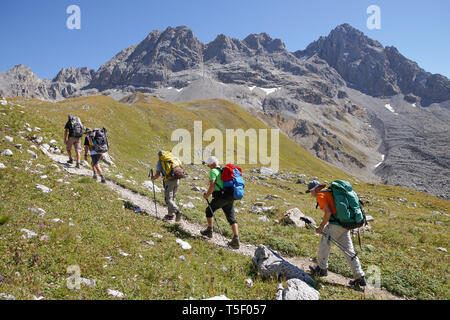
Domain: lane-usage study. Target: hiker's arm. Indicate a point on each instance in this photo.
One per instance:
(325, 219)
(157, 175)
(212, 185)
(66, 131)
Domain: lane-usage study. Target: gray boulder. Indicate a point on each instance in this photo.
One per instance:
(271, 264)
(297, 290)
(293, 216)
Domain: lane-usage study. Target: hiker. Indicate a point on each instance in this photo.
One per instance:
(221, 200)
(334, 230)
(164, 167)
(95, 156)
(73, 131)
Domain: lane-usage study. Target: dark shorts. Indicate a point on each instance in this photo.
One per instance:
(95, 158)
(224, 202)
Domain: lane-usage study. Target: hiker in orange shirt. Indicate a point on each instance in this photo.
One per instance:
(333, 229)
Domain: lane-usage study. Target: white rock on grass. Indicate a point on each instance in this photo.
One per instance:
(442, 249)
(297, 290)
(39, 211)
(293, 216)
(149, 185)
(115, 293)
(222, 297)
(189, 205)
(122, 253)
(7, 153)
(45, 238)
(88, 282)
(7, 296)
(264, 219)
(28, 234)
(38, 298)
(156, 235)
(44, 189)
(184, 245)
(10, 139)
(249, 283)
(32, 153)
(2, 166)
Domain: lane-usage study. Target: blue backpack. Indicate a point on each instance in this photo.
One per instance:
(232, 179)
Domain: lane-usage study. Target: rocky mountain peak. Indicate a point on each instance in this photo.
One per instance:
(263, 42)
(75, 75)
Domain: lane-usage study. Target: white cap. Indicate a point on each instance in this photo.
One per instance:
(212, 160)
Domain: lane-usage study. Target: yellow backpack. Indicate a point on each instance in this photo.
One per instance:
(172, 166)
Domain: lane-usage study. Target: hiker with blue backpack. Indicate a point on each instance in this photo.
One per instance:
(343, 212)
(225, 185)
(95, 144)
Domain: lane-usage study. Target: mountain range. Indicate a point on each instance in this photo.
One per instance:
(346, 98)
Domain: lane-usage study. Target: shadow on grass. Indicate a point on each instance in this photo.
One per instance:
(178, 231)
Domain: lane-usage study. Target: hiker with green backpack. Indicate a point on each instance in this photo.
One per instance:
(172, 171)
(223, 198)
(342, 213)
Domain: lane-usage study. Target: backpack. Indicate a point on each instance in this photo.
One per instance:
(100, 141)
(232, 179)
(76, 126)
(172, 166)
(349, 211)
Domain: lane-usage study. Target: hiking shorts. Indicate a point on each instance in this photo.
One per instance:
(96, 158)
(224, 202)
(76, 142)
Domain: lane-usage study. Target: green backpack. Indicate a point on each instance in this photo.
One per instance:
(349, 211)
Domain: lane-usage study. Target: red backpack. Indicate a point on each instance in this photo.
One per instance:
(228, 172)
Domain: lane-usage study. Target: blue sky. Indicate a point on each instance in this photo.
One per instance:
(34, 33)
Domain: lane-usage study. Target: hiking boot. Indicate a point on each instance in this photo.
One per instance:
(208, 232)
(234, 243)
(178, 215)
(70, 161)
(168, 217)
(103, 179)
(318, 271)
(78, 165)
(94, 177)
(358, 283)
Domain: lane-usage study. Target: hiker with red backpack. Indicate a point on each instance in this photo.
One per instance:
(342, 213)
(73, 131)
(224, 194)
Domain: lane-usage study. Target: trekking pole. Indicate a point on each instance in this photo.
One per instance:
(349, 254)
(154, 193)
(209, 205)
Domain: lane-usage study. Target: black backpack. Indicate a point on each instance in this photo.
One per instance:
(100, 141)
(76, 126)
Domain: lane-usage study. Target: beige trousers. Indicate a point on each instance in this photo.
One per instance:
(342, 236)
(170, 193)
